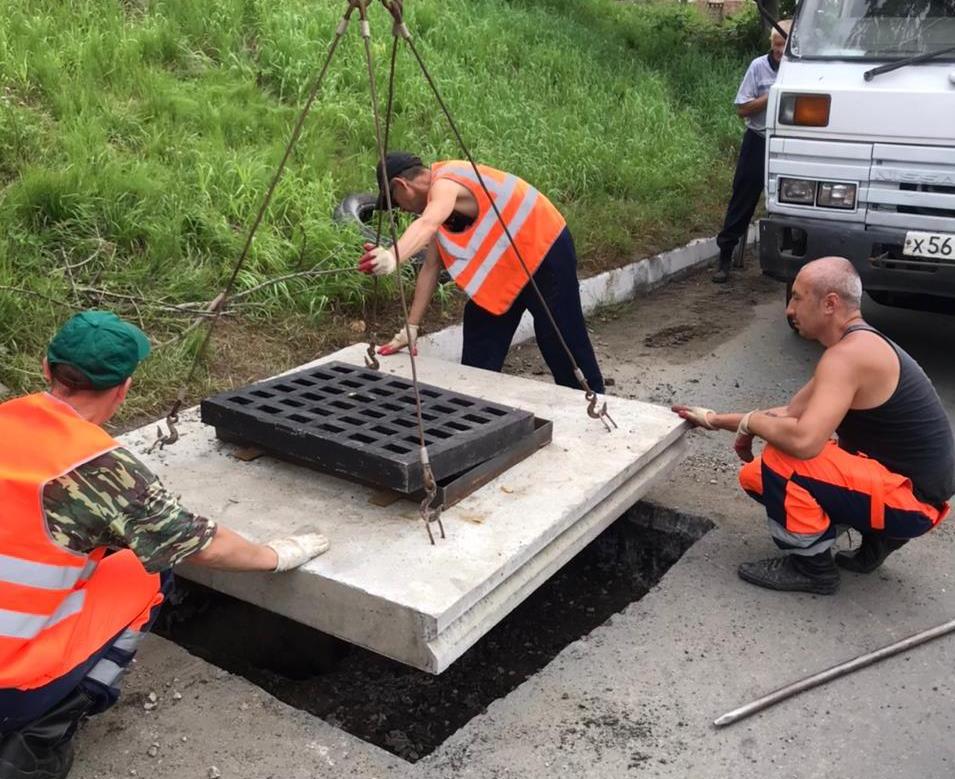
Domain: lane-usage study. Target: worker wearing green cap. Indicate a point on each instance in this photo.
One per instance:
(87, 541)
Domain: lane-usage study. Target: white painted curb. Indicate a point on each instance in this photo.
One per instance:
(606, 289)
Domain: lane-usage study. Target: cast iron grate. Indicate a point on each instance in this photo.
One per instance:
(362, 423)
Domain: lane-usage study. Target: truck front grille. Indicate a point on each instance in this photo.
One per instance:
(912, 187)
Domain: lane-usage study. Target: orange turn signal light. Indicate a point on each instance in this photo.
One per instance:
(805, 110)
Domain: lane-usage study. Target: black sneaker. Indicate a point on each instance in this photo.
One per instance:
(871, 553)
(796, 573)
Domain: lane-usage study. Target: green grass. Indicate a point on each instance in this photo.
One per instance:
(137, 138)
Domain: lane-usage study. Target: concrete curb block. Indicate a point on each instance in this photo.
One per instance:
(615, 286)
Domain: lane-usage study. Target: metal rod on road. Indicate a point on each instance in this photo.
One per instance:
(832, 673)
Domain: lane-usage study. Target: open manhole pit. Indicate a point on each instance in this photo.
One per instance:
(409, 712)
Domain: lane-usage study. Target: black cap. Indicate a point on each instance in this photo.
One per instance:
(396, 163)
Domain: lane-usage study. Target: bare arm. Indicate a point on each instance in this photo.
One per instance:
(827, 399)
(798, 403)
(421, 232)
(228, 551)
(753, 106)
(426, 284)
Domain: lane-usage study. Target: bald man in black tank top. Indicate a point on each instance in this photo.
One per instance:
(864, 444)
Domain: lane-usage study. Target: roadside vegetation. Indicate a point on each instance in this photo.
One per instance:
(137, 138)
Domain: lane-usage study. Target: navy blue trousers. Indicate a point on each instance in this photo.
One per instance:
(487, 337)
(748, 183)
(98, 676)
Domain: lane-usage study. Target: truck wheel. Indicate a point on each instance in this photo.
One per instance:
(789, 296)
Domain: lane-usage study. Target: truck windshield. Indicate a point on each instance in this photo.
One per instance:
(872, 30)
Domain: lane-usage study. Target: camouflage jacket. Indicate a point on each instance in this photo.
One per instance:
(116, 501)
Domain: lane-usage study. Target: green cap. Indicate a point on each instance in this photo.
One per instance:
(101, 346)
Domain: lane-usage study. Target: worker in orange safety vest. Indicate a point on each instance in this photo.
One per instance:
(459, 228)
(87, 539)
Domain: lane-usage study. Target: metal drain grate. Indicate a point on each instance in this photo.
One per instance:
(362, 423)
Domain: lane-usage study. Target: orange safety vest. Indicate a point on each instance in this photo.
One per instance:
(480, 259)
(57, 607)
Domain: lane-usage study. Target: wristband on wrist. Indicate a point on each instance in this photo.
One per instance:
(743, 428)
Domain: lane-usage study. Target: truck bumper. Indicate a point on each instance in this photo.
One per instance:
(786, 244)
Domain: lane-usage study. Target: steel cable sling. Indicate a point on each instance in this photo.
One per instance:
(429, 513)
(395, 8)
(172, 418)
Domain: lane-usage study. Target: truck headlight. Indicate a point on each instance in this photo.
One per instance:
(799, 191)
(835, 195)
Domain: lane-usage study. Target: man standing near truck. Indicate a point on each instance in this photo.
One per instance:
(748, 181)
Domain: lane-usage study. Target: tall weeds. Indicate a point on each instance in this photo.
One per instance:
(137, 138)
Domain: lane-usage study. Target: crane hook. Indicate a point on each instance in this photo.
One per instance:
(600, 414)
(371, 359)
(167, 439)
(428, 513)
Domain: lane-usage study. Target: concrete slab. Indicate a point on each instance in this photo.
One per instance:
(382, 585)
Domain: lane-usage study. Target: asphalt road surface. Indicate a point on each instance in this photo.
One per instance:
(637, 696)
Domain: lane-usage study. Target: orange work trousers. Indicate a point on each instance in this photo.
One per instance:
(808, 502)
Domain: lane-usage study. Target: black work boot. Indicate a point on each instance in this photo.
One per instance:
(800, 573)
(873, 550)
(722, 274)
(44, 748)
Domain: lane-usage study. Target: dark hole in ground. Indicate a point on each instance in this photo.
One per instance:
(409, 712)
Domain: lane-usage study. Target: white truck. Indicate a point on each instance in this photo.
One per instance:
(860, 152)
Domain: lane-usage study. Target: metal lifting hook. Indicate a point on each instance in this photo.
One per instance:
(371, 359)
(166, 439)
(428, 513)
(600, 414)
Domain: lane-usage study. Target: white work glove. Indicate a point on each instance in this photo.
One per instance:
(400, 341)
(377, 261)
(695, 415)
(293, 551)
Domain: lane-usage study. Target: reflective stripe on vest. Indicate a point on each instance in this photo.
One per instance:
(42, 575)
(16, 624)
(489, 270)
(57, 607)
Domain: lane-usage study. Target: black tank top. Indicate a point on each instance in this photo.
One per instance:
(909, 433)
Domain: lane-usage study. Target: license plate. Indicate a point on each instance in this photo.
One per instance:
(932, 245)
